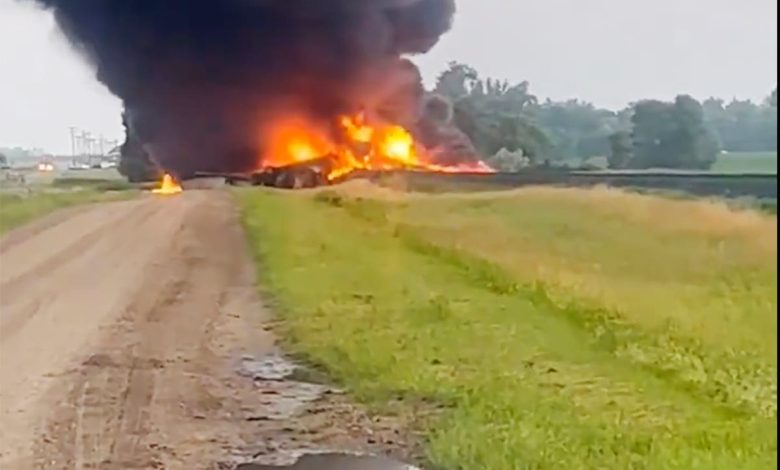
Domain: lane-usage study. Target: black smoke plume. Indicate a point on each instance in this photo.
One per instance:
(200, 79)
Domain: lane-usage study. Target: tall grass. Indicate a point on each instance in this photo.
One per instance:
(19, 208)
(556, 328)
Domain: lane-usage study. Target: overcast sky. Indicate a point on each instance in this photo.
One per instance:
(609, 52)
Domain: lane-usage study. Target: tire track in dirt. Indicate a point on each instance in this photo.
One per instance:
(121, 351)
(38, 225)
(92, 309)
(58, 255)
(34, 294)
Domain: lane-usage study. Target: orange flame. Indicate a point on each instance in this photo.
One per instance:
(168, 187)
(357, 129)
(362, 147)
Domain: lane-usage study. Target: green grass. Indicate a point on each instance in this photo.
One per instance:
(551, 328)
(18, 209)
(97, 184)
(746, 162)
(732, 162)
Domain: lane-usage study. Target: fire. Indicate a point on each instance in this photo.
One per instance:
(294, 142)
(168, 187)
(356, 128)
(398, 145)
(361, 146)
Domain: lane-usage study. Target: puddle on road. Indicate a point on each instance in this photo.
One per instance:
(335, 462)
(282, 398)
(271, 367)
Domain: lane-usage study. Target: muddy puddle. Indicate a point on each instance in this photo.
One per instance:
(284, 402)
(270, 367)
(280, 397)
(335, 462)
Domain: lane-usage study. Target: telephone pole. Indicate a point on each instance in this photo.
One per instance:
(72, 144)
(86, 143)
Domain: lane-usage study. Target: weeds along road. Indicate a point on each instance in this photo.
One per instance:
(117, 327)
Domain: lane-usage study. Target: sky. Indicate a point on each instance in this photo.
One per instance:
(608, 52)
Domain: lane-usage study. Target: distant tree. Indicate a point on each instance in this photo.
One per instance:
(457, 81)
(492, 113)
(672, 135)
(743, 126)
(504, 97)
(694, 144)
(577, 130)
(3, 160)
(492, 130)
(652, 124)
(621, 150)
(496, 115)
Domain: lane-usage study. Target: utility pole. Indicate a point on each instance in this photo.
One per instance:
(86, 143)
(72, 144)
(112, 144)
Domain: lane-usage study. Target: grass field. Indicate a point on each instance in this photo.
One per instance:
(17, 209)
(746, 162)
(548, 328)
(733, 162)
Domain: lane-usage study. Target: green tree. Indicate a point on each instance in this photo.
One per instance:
(621, 150)
(493, 113)
(743, 126)
(652, 123)
(457, 81)
(492, 130)
(497, 114)
(672, 135)
(692, 142)
(577, 129)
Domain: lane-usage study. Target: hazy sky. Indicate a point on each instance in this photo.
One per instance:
(609, 52)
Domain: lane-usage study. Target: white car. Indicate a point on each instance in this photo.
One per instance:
(78, 166)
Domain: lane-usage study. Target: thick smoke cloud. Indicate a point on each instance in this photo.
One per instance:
(200, 79)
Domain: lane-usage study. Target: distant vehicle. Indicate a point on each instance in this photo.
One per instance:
(78, 166)
(45, 166)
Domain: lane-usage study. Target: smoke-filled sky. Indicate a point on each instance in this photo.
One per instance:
(603, 51)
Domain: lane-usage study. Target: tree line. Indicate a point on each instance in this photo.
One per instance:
(512, 127)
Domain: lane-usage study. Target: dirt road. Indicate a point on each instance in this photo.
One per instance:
(132, 336)
(118, 325)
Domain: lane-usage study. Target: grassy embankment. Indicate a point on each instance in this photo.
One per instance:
(19, 208)
(556, 328)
